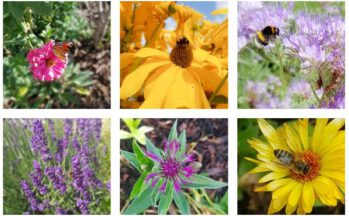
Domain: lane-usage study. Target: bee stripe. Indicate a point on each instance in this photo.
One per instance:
(273, 30)
(260, 36)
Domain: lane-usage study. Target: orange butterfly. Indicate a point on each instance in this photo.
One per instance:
(61, 49)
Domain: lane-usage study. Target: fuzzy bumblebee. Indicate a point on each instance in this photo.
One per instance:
(268, 33)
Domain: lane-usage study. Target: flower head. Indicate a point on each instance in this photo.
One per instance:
(39, 141)
(44, 64)
(301, 167)
(172, 167)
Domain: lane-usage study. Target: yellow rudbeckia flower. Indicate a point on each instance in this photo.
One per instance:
(179, 80)
(301, 167)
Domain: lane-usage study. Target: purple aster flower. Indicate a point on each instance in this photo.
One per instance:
(55, 175)
(39, 141)
(37, 178)
(51, 127)
(172, 167)
(34, 203)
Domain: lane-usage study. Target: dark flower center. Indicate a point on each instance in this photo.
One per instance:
(50, 63)
(170, 168)
(182, 54)
(309, 167)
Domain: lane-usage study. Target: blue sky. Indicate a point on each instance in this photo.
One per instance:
(204, 7)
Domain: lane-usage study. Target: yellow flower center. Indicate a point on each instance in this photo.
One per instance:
(306, 166)
(182, 53)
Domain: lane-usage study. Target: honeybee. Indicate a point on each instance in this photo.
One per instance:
(287, 159)
(269, 32)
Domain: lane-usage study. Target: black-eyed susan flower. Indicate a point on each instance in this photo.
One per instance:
(182, 79)
(301, 167)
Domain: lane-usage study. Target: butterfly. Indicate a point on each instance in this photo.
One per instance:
(61, 49)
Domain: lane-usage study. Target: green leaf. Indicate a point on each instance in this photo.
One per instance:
(129, 123)
(139, 136)
(173, 133)
(132, 159)
(82, 91)
(151, 147)
(138, 185)
(16, 9)
(166, 199)
(156, 194)
(183, 142)
(182, 203)
(140, 155)
(125, 135)
(140, 203)
(42, 8)
(200, 181)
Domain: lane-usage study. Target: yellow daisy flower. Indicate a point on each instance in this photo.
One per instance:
(182, 79)
(301, 167)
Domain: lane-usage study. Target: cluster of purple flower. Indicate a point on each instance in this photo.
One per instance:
(52, 175)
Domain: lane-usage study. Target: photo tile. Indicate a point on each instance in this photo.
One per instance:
(56, 55)
(174, 166)
(56, 166)
(291, 55)
(174, 55)
(289, 166)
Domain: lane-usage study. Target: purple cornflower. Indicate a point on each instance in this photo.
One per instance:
(51, 127)
(39, 141)
(37, 178)
(34, 203)
(172, 167)
(55, 175)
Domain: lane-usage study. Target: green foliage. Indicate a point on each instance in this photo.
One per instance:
(135, 132)
(28, 25)
(144, 196)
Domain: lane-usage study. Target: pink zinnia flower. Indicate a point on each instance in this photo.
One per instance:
(44, 64)
(172, 167)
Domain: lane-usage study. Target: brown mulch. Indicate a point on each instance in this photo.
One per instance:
(210, 137)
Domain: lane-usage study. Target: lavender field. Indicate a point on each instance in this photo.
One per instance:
(56, 166)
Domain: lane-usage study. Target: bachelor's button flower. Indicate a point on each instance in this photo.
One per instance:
(174, 168)
(44, 64)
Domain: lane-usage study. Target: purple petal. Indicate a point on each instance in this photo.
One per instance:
(153, 156)
(165, 143)
(155, 181)
(150, 176)
(174, 146)
(188, 171)
(190, 158)
(163, 186)
(176, 185)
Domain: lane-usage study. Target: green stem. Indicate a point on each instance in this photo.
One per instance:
(281, 71)
(317, 97)
(218, 88)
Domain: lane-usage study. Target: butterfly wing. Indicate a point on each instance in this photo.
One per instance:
(61, 50)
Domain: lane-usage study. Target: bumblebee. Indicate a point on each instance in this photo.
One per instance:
(287, 159)
(269, 32)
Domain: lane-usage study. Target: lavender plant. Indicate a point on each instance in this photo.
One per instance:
(56, 166)
(166, 175)
(307, 56)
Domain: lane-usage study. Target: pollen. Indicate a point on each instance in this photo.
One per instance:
(50, 63)
(182, 53)
(312, 160)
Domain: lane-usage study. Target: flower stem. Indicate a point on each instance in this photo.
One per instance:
(281, 71)
(314, 93)
(214, 94)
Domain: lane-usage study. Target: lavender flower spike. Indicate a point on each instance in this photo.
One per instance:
(55, 175)
(172, 167)
(39, 141)
(37, 177)
(34, 203)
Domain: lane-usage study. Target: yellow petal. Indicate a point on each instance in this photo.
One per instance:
(323, 191)
(150, 52)
(292, 139)
(284, 190)
(278, 183)
(333, 174)
(261, 147)
(303, 132)
(276, 205)
(273, 176)
(252, 160)
(308, 197)
(317, 134)
(202, 56)
(337, 142)
(334, 126)
(156, 98)
(220, 11)
(269, 132)
(126, 59)
(134, 81)
(294, 198)
(184, 92)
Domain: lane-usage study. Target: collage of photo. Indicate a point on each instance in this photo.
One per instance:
(76, 73)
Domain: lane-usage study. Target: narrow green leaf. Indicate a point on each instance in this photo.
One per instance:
(182, 203)
(166, 199)
(183, 142)
(125, 135)
(139, 153)
(138, 185)
(200, 181)
(151, 147)
(129, 123)
(136, 123)
(156, 194)
(140, 203)
(132, 159)
(173, 133)
(139, 136)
